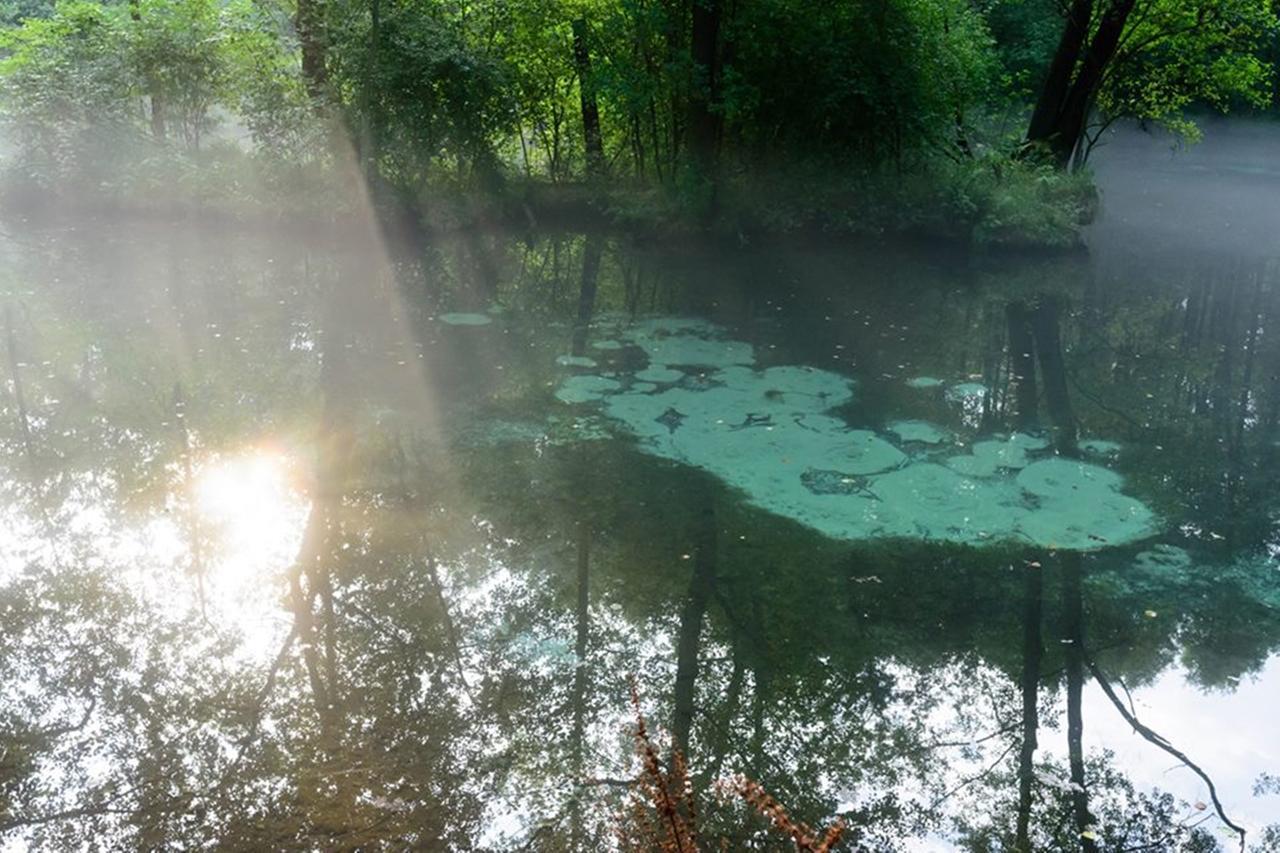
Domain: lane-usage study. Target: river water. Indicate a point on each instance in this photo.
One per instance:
(325, 543)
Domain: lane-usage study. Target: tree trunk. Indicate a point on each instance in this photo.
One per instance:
(579, 699)
(704, 93)
(1045, 322)
(591, 253)
(1074, 78)
(309, 24)
(594, 143)
(1058, 81)
(1073, 619)
(153, 88)
(687, 644)
(1022, 353)
(1075, 110)
(1032, 651)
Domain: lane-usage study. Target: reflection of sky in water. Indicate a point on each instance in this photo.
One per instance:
(254, 520)
(1230, 734)
(1227, 733)
(247, 516)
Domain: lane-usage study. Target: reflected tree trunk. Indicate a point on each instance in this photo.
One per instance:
(588, 284)
(188, 475)
(688, 642)
(1046, 325)
(34, 471)
(724, 720)
(581, 646)
(311, 579)
(1073, 644)
(19, 398)
(1023, 357)
(1032, 652)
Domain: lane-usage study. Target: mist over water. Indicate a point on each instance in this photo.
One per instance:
(347, 539)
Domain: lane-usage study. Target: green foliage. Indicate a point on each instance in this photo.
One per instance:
(67, 88)
(177, 54)
(878, 79)
(418, 89)
(1178, 54)
(913, 105)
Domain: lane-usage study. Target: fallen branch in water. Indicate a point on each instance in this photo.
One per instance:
(1155, 738)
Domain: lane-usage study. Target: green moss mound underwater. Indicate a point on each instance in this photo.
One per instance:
(700, 399)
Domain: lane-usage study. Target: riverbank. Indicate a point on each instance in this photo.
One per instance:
(985, 203)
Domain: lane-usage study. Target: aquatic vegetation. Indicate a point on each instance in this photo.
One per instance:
(921, 431)
(584, 387)
(987, 458)
(460, 319)
(771, 434)
(660, 374)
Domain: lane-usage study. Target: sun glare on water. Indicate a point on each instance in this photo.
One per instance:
(251, 518)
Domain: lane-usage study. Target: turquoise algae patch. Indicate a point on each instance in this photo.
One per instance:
(457, 319)
(585, 387)
(989, 458)
(921, 431)
(660, 374)
(771, 434)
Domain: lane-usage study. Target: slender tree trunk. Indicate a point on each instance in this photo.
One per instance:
(594, 143)
(579, 699)
(1023, 356)
(309, 24)
(370, 118)
(1058, 81)
(1063, 110)
(591, 253)
(1073, 619)
(721, 736)
(1075, 110)
(701, 585)
(154, 96)
(1046, 322)
(704, 93)
(1032, 651)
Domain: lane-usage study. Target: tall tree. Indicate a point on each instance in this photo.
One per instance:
(592, 139)
(703, 118)
(1075, 75)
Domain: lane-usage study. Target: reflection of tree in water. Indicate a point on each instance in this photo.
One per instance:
(461, 625)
